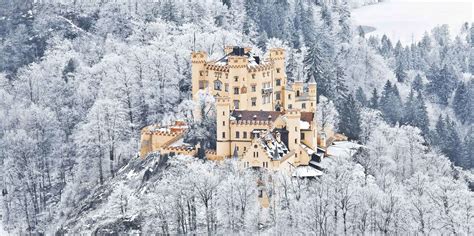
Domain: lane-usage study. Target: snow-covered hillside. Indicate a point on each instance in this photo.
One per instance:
(407, 20)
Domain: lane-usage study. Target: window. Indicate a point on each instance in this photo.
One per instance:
(278, 82)
(266, 99)
(253, 76)
(237, 134)
(296, 140)
(289, 96)
(254, 88)
(243, 90)
(303, 106)
(277, 95)
(236, 90)
(302, 136)
(223, 123)
(254, 102)
(202, 84)
(223, 113)
(201, 73)
(236, 78)
(223, 134)
(278, 70)
(296, 129)
(245, 149)
(227, 87)
(236, 104)
(297, 93)
(290, 106)
(217, 85)
(245, 135)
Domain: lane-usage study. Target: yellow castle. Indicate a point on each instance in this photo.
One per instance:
(262, 119)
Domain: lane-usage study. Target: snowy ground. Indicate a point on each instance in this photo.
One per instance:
(343, 149)
(407, 20)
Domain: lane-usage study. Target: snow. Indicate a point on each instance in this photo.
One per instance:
(343, 149)
(407, 20)
(306, 171)
(2, 231)
(304, 124)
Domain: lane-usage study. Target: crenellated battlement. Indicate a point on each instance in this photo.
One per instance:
(250, 122)
(198, 57)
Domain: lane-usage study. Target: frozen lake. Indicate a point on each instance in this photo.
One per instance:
(407, 20)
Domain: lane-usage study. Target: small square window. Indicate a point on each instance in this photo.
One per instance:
(278, 70)
(254, 88)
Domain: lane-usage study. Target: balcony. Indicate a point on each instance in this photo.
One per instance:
(268, 90)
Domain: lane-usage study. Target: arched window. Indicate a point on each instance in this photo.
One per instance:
(217, 85)
(297, 93)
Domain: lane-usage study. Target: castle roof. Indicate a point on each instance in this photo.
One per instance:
(256, 115)
(275, 149)
(267, 115)
(307, 116)
(253, 60)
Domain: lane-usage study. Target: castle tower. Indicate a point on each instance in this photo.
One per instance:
(298, 88)
(312, 94)
(223, 126)
(277, 56)
(237, 75)
(293, 127)
(198, 62)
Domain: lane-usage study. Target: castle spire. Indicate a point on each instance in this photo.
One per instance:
(312, 80)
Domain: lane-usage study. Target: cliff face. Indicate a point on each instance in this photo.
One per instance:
(108, 209)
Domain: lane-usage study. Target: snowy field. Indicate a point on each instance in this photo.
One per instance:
(407, 20)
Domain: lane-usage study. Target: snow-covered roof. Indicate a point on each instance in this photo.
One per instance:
(274, 149)
(304, 124)
(306, 171)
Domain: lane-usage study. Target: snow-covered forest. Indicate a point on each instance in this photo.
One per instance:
(80, 78)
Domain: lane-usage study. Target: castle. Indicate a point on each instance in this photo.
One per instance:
(262, 119)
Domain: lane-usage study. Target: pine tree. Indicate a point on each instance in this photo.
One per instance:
(374, 100)
(462, 103)
(400, 72)
(453, 142)
(417, 84)
(442, 83)
(409, 110)
(349, 123)
(360, 97)
(391, 103)
(386, 47)
(468, 150)
(422, 120)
